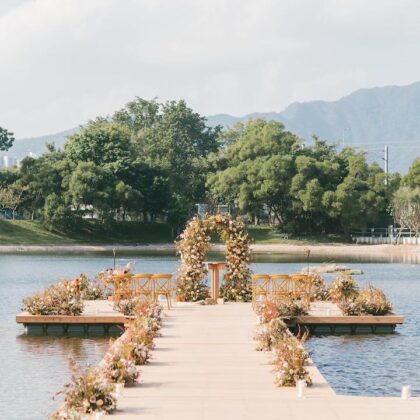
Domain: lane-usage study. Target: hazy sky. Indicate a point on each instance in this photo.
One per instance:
(65, 61)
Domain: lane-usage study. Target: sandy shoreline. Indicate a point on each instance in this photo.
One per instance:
(320, 250)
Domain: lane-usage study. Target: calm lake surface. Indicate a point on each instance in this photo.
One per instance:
(33, 369)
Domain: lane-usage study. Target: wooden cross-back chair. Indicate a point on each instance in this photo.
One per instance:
(142, 285)
(281, 285)
(260, 287)
(301, 287)
(121, 283)
(162, 287)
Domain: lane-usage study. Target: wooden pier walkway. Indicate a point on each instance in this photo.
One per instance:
(205, 367)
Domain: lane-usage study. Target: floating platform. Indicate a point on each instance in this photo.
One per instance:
(98, 319)
(326, 318)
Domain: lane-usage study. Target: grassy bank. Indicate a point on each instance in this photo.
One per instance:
(27, 232)
(268, 235)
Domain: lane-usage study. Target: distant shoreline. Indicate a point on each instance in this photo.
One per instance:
(320, 250)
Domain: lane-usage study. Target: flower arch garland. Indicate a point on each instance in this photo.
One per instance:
(194, 244)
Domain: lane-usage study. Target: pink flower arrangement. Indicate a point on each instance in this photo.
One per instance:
(289, 361)
(87, 393)
(193, 245)
(63, 298)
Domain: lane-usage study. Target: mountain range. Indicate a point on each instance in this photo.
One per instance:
(367, 119)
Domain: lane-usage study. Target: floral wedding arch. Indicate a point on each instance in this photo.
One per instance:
(193, 246)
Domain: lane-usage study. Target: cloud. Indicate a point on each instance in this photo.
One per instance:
(66, 61)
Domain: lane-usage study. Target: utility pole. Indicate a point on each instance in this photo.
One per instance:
(386, 156)
(344, 135)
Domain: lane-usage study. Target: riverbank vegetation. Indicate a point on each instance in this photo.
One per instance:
(153, 162)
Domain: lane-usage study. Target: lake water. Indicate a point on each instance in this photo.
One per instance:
(33, 369)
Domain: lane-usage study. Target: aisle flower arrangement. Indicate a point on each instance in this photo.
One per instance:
(272, 335)
(120, 367)
(267, 311)
(63, 298)
(138, 351)
(126, 306)
(95, 390)
(289, 361)
(151, 313)
(88, 392)
(269, 334)
(194, 244)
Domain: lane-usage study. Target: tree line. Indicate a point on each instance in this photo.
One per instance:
(154, 161)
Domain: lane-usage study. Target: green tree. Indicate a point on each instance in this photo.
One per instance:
(318, 172)
(43, 176)
(6, 139)
(8, 176)
(412, 179)
(138, 115)
(363, 195)
(255, 169)
(104, 143)
(57, 214)
(175, 140)
(11, 197)
(155, 189)
(91, 188)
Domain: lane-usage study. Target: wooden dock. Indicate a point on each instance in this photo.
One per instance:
(205, 367)
(98, 318)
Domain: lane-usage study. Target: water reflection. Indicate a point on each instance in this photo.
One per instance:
(78, 347)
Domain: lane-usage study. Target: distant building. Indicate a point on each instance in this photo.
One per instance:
(9, 161)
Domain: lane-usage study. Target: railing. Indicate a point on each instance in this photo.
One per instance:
(390, 235)
(8, 215)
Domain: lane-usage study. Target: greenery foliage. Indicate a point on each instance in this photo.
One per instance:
(6, 139)
(154, 161)
(266, 170)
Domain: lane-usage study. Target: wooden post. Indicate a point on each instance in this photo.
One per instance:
(215, 267)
